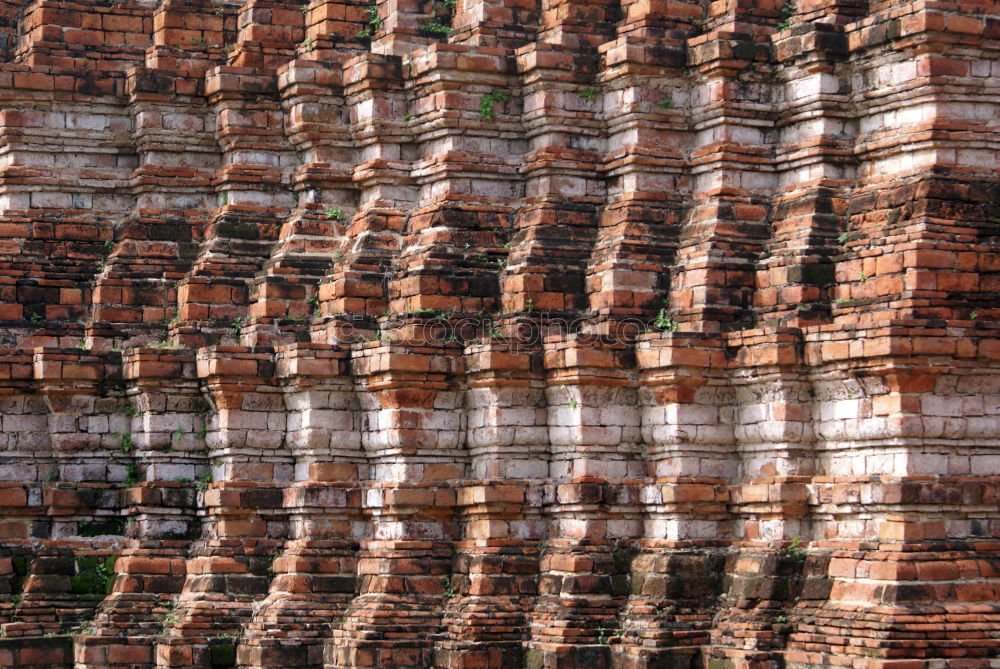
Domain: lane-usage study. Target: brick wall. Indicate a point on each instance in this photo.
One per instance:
(499, 333)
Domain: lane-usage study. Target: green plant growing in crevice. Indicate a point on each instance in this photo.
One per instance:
(786, 12)
(202, 481)
(127, 444)
(99, 528)
(435, 28)
(170, 617)
(664, 322)
(665, 103)
(571, 401)
(313, 301)
(52, 475)
(202, 431)
(131, 474)
(94, 575)
(336, 213)
(699, 22)
(589, 94)
(973, 315)
(795, 550)
(307, 44)
(486, 104)
(374, 22)
(449, 588)
(441, 25)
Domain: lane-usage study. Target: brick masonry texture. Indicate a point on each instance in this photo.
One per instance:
(488, 334)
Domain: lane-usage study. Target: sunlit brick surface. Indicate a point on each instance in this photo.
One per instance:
(555, 334)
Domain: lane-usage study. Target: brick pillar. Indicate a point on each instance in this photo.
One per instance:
(506, 23)
(561, 184)
(413, 440)
(808, 217)
(215, 294)
(472, 174)
(676, 572)
(162, 440)
(229, 569)
(354, 285)
(314, 576)
(494, 584)
(595, 441)
(268, 34)
(284, 298)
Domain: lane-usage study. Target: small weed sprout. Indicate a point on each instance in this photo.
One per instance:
(436, 28)
(786, 12)
(973, 315)
(374, 23)
(203, 481)
(131, 474)
(449, 589)
(603, 635)
(794, 550)
(589, 94)
(666, 103)
(336, 213)
(664, 322)
(314, 301)
(486, 104)
(170, 617)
